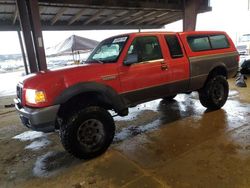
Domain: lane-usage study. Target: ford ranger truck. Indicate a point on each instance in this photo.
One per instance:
(121, 72)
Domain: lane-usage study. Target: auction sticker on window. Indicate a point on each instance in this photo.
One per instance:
(121, 39)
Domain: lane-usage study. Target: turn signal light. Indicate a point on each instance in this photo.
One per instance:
(34, 97)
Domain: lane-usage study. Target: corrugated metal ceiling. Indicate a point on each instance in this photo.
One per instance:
(103, 14)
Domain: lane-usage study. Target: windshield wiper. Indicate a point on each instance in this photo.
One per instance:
(99, 61)
(94, 61)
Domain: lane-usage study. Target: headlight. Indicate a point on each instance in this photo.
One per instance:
(33, 96)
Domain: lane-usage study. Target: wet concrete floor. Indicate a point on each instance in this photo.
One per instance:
(177, 144)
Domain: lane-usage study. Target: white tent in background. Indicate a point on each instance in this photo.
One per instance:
(72, 45)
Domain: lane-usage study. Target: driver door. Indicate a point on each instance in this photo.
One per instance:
(142, 79)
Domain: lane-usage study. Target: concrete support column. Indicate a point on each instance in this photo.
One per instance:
(32, 33)
(37, 33)
(27, 35)
(191, 8)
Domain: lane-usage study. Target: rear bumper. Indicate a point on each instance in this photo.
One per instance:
(42, 119)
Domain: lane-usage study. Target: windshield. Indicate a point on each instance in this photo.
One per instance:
(245, 38)
(108, 51)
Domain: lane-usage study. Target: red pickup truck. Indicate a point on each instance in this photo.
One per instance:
(122, 72)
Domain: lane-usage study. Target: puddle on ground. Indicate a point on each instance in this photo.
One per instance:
(151, 115)
(29, 135)
(237, 113)
(183, 106)
(38, 144)
(39, 140)
(52, 163)
(233, 93)
(138, 110)
(131, 131)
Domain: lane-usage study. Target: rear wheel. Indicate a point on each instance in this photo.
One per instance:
(88, 133)
(215, 93)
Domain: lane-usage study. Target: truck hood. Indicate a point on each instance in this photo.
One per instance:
(54, 82)
(68, 75)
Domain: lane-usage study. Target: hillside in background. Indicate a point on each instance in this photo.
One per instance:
(10, 57)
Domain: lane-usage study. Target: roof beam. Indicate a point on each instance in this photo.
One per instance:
(15, 17)
(94, 17)
(58, 15)
(76, 17)
(170, 19)
(173, 5)
(140, 18)
(159, 18)
(111, 18)
(126, 17)
(16, 14)
(41, 9)
(164, 19)
(94, 27)
(151, 17)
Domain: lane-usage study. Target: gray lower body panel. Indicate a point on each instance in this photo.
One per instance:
(42, 119)
(155, 92)
(201, 66)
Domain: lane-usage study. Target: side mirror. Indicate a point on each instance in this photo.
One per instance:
(131, 59)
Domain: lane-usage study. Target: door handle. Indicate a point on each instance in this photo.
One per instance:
(164, 67)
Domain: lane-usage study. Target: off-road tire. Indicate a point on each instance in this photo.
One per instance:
(215, 93)
(77, 132)
(169, 98)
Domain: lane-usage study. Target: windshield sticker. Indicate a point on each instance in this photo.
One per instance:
(122, 39)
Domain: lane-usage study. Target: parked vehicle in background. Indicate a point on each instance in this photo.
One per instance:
(121, 72)
(243, 45)
(245, 67)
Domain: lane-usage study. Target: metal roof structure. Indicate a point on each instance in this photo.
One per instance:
(99, 14)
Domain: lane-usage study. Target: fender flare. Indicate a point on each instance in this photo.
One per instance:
(109, 93)
(219, 65)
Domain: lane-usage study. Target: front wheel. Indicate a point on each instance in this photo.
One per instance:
(215, 93)
(88, 133)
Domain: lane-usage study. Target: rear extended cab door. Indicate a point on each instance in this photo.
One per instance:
(177, 63)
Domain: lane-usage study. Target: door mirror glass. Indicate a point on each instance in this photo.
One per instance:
(131, 59)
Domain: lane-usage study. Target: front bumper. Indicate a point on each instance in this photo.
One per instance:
(40, 119)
